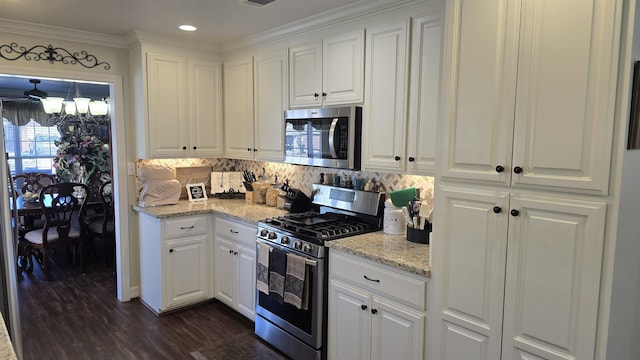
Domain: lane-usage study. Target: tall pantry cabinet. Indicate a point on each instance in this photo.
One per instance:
(526, 129)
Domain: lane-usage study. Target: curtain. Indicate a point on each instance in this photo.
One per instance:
(21, 112)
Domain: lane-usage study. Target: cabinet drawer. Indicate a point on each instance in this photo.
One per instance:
(235, 230)
(374, 277)
(185, 226)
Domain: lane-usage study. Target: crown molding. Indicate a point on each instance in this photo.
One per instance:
(140, 37)
(59, 33)
(324, 20)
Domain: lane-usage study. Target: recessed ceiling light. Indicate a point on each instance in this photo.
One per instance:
(187, 27)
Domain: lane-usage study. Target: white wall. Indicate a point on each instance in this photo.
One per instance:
(623, 340)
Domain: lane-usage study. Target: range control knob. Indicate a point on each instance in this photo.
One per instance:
(284, 240)
(263, 232)
(297, 245)
(306, 248)
(272, 235)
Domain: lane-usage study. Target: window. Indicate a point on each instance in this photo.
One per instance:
(31, 147)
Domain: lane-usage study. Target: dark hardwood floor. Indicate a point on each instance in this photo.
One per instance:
(77, 316)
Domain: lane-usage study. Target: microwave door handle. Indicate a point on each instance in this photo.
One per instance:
(332, 131)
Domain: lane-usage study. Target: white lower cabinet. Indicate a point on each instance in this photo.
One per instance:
(374, 312)
(175, 268)
(519, 275)
(235, 265)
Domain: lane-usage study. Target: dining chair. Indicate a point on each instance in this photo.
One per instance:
(102, 226)
(32, 182)
(62, 205)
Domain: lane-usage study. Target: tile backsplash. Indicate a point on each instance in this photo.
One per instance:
(302, 177)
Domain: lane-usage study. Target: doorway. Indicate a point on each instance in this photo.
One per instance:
(119, 161)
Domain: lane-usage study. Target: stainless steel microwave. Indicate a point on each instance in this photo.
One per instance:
(327, 137)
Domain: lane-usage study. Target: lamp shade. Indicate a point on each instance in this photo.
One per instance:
(82, 104)
(98, 108)
(69, 107)
(52, 105)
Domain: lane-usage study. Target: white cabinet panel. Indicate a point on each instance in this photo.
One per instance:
(474, 233)
(207, 135)
(350, 320)
(460, 343)
(396, 332)
(369, 320)
(186, 270)
(167, 104)
(528, 102)
(328, 71)
(271, 100)
(238, 108)
(553, 277)
(424, 94)
(385, 112)
(235, 265)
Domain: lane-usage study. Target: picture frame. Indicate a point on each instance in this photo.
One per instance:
(197, 192)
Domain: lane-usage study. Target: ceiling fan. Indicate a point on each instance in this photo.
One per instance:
(35, 93)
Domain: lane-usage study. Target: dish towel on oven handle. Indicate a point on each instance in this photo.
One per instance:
(262, 276)
(277, 271)
(296, 284)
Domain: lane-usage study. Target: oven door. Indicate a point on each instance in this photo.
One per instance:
(306, 325)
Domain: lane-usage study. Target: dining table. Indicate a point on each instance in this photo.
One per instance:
(29, 213)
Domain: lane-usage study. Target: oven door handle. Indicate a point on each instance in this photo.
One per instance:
(307, 261)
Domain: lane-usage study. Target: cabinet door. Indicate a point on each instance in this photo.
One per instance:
(343, 68)
(225, 271)
(478, 89)
(185, 271)
(206, 135)
(553, 278)
(470, 260)
(424, 95)
(385, 113)
(238, 108)
(397, 332)
(349, 323)
(305, 76)
(245, 280)
(566, 94)
(270, 99)
(167, 105)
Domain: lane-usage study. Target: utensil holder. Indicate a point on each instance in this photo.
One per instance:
(419, 236)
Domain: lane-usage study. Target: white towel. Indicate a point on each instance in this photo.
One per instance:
(262, 276)
(296, 283)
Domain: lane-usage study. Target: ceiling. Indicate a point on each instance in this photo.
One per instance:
(218, 21)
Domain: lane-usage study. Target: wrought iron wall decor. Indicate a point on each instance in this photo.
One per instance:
(41, 53)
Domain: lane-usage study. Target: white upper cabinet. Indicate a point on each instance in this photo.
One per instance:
(424, 94)
(327, 72)
(178, 103)
(529, 90)
(270, 101)
(385, 111)
(238, 108)
(400, 137)
(255, 100)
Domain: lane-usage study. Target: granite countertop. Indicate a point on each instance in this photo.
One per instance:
(6, 347)
(392, 250)
(235, 208)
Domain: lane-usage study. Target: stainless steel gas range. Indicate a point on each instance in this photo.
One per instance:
(300, 333)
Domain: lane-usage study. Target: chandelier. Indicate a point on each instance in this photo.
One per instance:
(79, 106)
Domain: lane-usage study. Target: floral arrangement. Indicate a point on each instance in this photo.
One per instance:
(80, 154)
